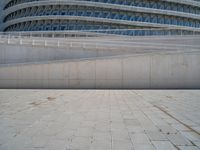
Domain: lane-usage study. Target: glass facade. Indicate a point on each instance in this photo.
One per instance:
(53, 15)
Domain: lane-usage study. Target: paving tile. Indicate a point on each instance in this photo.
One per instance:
(156, 136)
(55, 144)
(39, 141)
(197, 128)
(167, 129)
(191, 136)
(140, 138)
(99, 119)
(197, 143)
(163, 145)
(144, 147)
(65, 134)
(100, 145)
(120, 135)
(131, 122)
(81, 143)
(101, 136)
(180, 127)
(188, 148)
(178, 139)
(122, 145)
(85, 132)
(133, 129)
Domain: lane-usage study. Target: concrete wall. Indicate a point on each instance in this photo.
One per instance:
(177, 70)
(21, 54)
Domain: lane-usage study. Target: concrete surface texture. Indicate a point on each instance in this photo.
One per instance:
(180, 70)
(101, 62)
(99, 120)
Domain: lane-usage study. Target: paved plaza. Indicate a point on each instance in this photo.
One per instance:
(99, 120)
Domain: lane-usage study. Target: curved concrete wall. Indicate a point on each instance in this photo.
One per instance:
(26, 50)
(161, 70)
(24, 54)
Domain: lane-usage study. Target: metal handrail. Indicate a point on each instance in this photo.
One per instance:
(103, 32)
(85, 38)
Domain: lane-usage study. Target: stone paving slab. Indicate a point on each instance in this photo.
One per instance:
(99, 119)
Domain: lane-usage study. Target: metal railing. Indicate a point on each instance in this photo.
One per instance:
(93, 39)
(103, 32)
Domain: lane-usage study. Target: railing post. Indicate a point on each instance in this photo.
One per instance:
(45, 43)
(95, 45)
(58, 43)
(9, 39)
(71, 44)
(33, 42)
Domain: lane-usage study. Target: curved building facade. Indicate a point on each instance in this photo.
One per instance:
(62, 15)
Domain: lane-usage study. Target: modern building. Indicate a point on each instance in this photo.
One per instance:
(60, 15)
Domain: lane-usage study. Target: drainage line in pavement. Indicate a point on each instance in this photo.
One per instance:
(187, 126)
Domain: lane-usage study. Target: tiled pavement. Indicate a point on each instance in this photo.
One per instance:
(99, 120)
